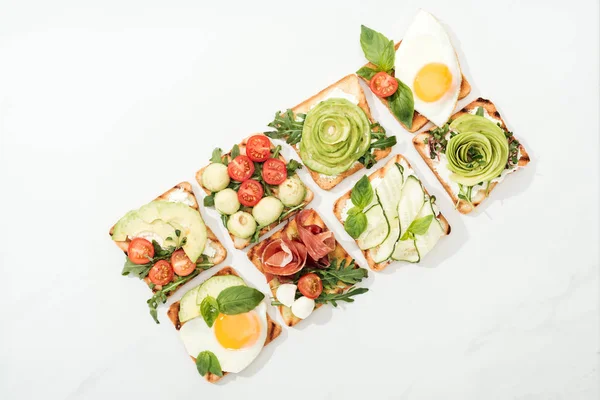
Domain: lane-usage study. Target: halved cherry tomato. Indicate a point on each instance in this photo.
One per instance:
(240, 168)
(258, 148)
(250, 193)
(383, 84)
(310, 285)
(274, 171)
(140, 251)
(181, 263)
(161, 273)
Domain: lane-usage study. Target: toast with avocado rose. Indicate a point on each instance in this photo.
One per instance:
(493, 153)
(224, 324)
(306, 267)
(253, 188)
(334, 132)
(391, 215)
(167, 243)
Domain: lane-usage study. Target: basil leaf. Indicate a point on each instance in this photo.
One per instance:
(367, 73)
(354, 210)
(238, 299)
(209, 200)
(402, 104)
(362, 193)
(377, 48)
(235, 151)
(209, 310)
(216, 156)
(356, 224)
(479, 111)
(207, 362)
(418, 227)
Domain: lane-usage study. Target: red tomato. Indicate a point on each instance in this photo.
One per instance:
(383, 84)
(140, 251)
(310, 285)
(250, 193)
(258, 148)
(181, 263)
(161, 273)
(240, 168)
(274, 171)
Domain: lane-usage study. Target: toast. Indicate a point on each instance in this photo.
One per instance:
(419, 120)
(240, 243)
(183, 193)
(273, 328)
(423, 148)
(290, 230)
(350, 85)
(340, 204)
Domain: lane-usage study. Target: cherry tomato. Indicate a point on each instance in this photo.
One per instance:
(140, 250)
(383, 84)
(240, 168)
(274, 171)
(181, 263)
(250, 193)
(310, 285)
(258, 148)
(161, 273)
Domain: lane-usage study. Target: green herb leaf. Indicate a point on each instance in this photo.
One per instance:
(367, 73)
(238, 299)
(362, 193)
(354, 210)
(235, 151)
(160, 296)
(138, 270)
(292, 166)
(347, 274)
(378, 49)
(275, 151)
(209, 200)
(224, 219)
(288, 126)
(216, 156)
(207, 362)
(356, 224)
(402, 104)
(333, 298)
(479, 111)
(209, 308)
(421, 226)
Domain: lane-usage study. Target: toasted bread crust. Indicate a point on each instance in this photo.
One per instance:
(220, 251)
(239, 243)
(339, 204)
(463, 206)
(273, 328)
(419, 120)
(348, 84)
(290, 230)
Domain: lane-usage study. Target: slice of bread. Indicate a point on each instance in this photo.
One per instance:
(423, 148)
(340, 204)
(242, 243)
(419, 120)
(350, 85)
(184, 192)
(291, 231)
(273, 328)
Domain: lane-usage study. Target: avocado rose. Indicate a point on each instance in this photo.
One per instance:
(478, 152)
(335, 135)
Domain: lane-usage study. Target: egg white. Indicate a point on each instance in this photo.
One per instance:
(198, 337)
(427, 42)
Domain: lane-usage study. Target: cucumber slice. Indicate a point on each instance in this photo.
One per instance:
(384, 251)
(426, 242)
(377, 230)
(226, 201)
(406, 250)
(411, 202)
(215, 285)
(188, 309)
(215, 177)
(292, 192)
(267, 211)
(241, 224)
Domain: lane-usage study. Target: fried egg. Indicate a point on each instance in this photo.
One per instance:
(427, 63)
(236, 340)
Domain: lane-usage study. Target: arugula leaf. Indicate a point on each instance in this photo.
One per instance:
(362, 193)
(419, 226)
(333, 298)
(235, 151)
(378, 49)
(347, 274)
(216, 156)
(209, 200)
(367, 73)
(356, 224)
(384, 143)
(224, 219)
(275, 151)
(207, 362)
(160, 296)
(139, 270)
(479, 111)
(292, 166)
(238, 299)
(287, 127)
(402, 104)
(256, 235)
(209, 308)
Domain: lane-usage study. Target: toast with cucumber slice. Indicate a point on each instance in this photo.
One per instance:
(399, 220)
(509, 155)
(334, 150)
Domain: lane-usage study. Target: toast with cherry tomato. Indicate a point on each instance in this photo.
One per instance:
(334, 132)
(166, 243)
(253, 188)
(306, 267)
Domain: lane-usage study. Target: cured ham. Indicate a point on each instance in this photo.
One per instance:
(318, 243)
(283, 257)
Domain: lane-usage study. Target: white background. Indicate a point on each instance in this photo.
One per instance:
(104, 106)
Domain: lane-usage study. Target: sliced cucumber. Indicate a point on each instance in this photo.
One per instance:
(215, 285)
(389, 191)
(188, 309)
(377, 230)
(405, 250)
(241, 224)
(384, 251)
(267, 211)
(215, 177)
(226, 201)
(411, 202)
(426, 242)
(292, 192)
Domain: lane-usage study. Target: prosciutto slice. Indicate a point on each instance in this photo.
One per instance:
(283, 257)
(318, 245)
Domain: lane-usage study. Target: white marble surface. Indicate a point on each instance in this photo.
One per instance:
(104, 105)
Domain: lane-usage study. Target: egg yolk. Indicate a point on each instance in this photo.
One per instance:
(432, 81)
(237, 331)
